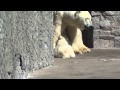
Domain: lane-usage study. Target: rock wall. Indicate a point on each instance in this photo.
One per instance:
(25, 42)
(107, 29)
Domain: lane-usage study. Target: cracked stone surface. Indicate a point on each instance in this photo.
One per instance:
(25, 42)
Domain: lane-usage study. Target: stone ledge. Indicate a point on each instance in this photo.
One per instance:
(95, 13)
(109, 13)
(105, 32)
(116, 32)
(106, 37)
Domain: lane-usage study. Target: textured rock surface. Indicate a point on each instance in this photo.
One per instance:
(25, 42)
(107, 29)
(117, 42)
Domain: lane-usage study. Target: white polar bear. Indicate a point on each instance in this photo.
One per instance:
(70, 24)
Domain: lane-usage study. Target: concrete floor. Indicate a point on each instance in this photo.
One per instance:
(99, 64)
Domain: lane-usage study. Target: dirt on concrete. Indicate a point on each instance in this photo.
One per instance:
(99, 64)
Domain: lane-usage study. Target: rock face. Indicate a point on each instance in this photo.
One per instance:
(25, 42)
(106, 29)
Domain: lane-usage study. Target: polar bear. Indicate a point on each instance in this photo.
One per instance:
(63, 49)
(71, 24)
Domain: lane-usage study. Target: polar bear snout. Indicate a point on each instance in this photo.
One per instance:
(89, 27)
(88, 24)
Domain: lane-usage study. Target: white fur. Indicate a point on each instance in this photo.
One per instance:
(70, 24)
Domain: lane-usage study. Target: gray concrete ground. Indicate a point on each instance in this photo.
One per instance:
(99, 64)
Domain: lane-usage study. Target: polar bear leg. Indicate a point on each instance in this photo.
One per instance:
(75, 36)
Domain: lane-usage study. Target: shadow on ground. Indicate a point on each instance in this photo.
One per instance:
(99, 64)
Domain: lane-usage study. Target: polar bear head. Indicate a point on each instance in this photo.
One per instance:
(83, 19)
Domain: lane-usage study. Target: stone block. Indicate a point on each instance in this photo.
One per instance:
(117, 42)
(101, 43)
(116, 32)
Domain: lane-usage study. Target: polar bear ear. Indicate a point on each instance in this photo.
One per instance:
(77, 13)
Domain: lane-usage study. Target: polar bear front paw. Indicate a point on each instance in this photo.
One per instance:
(84, 49)
(81, 49)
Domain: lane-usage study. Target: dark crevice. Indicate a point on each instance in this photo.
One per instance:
(19, 59)
(9, 73)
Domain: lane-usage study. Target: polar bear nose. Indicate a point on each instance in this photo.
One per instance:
(91, 27)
